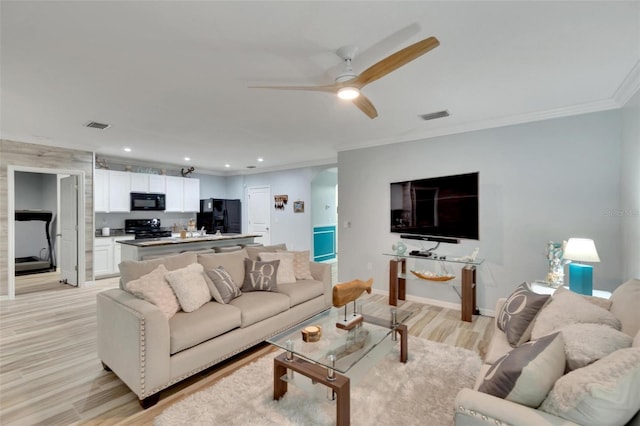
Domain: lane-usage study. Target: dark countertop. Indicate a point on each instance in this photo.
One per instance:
(154, 242)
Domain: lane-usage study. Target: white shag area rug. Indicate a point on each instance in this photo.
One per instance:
(420, 392)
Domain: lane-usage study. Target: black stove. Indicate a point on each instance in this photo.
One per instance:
(145, 228)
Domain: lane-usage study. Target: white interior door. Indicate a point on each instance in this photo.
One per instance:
(68, 217)
(259, 212)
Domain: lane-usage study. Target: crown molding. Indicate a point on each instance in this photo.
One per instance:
(629, 86)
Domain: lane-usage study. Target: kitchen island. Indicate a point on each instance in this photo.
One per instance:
(156, 247)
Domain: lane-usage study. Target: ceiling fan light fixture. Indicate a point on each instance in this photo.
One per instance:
(348, 93)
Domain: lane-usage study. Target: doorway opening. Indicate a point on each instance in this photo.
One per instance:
(60, 192)
(324, 217)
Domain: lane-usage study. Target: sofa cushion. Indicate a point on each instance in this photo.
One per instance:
(517, 314)
(527, 373)
(259, 305)
(603, 393)
(223, 285)
(586, 343)
(570, 308)
(301, 291)
(153, 288)
(189, 286)
(260, 276)
(232, 262)
(598, 301)
(624, 305)
(301, 267)
(211, 320)
(133, 269)
(254, 252)
(286, 273)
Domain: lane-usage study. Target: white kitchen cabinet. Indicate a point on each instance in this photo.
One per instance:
(142, 182)
(107, 255)
(157, 183)
(102, 256)
(191, 199)
(119, 190)
(101, 190)
(183, 194)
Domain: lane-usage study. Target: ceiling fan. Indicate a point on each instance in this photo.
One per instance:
(348, 84)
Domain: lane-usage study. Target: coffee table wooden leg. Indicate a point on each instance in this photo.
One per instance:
(279, 385)
(404, 341)
(343, 405)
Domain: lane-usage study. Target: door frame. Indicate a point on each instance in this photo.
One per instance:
(11, 208)
(248, 204)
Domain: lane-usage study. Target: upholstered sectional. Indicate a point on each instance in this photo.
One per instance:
(149, 351)
(601, 388)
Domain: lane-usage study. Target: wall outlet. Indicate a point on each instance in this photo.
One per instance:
(369, 266)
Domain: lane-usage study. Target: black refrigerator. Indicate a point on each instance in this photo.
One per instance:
(220, 215)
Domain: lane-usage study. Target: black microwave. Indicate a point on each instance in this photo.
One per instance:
(147, 201)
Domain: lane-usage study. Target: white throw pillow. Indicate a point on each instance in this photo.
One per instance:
(586, 343)
(606, 392)
(190, 287)
(285, 273)
(570, 308)
(153, 288)
(301, 264)
(598, 301)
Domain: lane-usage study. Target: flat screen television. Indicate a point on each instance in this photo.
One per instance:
(444, 206)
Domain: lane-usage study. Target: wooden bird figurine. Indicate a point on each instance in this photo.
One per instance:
(350, 291)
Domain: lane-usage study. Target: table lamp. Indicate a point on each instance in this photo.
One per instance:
(581, 276)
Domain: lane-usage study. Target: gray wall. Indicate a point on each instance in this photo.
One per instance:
(539, 182)
(629, 208)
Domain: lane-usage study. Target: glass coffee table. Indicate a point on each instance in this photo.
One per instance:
(337, 350)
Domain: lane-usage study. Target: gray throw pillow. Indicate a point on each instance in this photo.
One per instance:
(526, 374)
(260, 276)
(223, 282)
(517, 314)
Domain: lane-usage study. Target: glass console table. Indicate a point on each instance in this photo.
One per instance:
(398, 280)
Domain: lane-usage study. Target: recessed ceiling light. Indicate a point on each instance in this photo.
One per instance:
(227, 165)
(187, 159)
(127, 149)
(260, 160)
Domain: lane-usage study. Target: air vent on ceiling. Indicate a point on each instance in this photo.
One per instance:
(251, 167)
(434, 115)
(96, 125)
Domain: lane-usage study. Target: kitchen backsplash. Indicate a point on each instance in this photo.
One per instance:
(116, 220)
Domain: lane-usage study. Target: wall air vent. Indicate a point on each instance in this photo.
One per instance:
(96, 125)
(251, 167)
(434, 115)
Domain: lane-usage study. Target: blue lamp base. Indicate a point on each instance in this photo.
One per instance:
(581, 278)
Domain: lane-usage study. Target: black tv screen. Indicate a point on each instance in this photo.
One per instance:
(442, 206)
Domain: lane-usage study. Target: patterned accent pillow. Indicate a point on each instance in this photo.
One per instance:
(526, 374)
(190, 287)
(225, 285)
(301, 265)
(586, 343)
(285, 268)
(518, 312)
(153, 288)
(603, 393)
(260, 276)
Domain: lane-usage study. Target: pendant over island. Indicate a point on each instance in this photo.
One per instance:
(157, 247)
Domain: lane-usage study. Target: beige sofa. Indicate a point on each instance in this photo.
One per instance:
(477, 408)
(150, 352)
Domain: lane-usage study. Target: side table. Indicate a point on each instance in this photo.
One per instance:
(541, 287)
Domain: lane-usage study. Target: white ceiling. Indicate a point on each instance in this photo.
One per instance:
(172, 77)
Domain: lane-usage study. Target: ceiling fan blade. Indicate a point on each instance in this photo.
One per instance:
(330, 89)
(365, 106)
(395, 61)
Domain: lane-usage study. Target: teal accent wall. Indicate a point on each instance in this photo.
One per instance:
(324, 243)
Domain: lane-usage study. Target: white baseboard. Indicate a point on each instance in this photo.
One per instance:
(436, 302)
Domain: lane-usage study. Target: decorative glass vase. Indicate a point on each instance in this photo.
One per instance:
(555, 276)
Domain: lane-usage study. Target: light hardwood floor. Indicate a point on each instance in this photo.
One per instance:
(50, 373)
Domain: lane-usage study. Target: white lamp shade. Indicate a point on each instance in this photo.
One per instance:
(581, 249)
